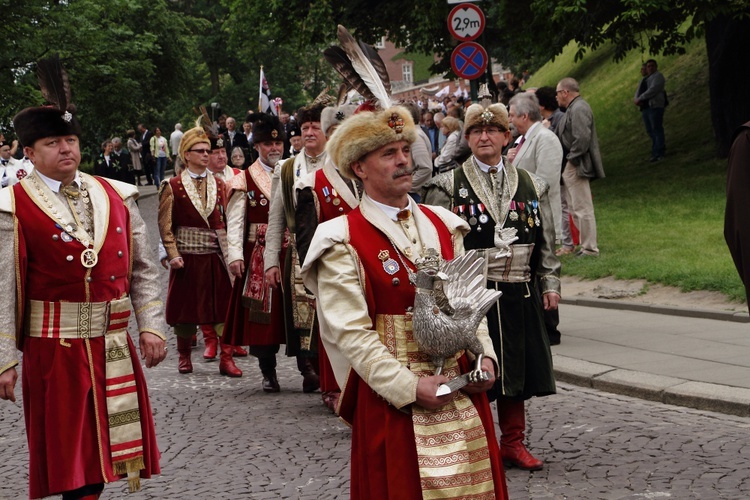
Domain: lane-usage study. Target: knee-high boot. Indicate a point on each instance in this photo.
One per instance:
(226, 363)
(512, 427)
(310, 379)
(211, 341)
(184, 348)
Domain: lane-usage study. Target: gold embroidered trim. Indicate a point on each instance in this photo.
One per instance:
(155, 332)
(149, 305)
(96, 409)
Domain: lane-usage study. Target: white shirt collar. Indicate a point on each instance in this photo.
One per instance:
(54, 185)
(193, 175)
(486, 168)
(392, 211)
(266, 167)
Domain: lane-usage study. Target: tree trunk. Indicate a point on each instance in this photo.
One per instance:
(727, 42)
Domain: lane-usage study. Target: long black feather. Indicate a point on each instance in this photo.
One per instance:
(343, 94)
(53, 82)
(377, 63)
(340, 61)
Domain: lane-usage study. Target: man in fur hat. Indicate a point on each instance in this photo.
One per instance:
(358, 266)
(298, 324)
(192, 224)
(83, 258)
(321, 195)
(510, 218)
(256, 315)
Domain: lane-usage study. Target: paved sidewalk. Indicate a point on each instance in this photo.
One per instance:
(699, 359)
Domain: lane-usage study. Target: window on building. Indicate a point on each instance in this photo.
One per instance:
(406, 72)
(380, 44)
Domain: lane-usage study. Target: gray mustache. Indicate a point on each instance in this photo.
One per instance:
(403, 171)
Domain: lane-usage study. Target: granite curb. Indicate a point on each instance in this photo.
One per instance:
(658, 388)
(739, 317)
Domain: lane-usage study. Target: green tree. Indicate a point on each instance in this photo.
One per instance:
(124, 58)
(529, 33)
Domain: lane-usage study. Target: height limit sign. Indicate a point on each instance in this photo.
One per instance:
(466, 22)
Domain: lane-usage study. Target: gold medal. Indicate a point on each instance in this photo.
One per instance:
(89, 258)
(337, 201)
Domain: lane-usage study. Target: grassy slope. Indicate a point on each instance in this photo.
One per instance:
(662, 222)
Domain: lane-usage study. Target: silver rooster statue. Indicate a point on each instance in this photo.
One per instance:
(451, 300)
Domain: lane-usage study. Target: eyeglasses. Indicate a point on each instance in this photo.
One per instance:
(491, 131)
(200, 151)
(561, 90)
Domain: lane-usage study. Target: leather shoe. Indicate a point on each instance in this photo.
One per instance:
(564, 251)
(239, 352)
(310, 382)
(271, 384)
(517, 455)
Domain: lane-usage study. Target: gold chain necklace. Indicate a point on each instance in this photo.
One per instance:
(89, 256)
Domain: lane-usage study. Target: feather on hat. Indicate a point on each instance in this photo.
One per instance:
(57, 117)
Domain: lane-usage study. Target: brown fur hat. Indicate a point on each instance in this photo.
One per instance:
(367, 131)
(493, 115)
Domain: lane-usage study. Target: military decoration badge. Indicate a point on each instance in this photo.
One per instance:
(390, 266)
(463, 192)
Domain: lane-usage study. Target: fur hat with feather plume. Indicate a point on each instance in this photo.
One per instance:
(57, 117)
(367, 131)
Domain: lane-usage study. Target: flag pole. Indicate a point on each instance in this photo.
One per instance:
(260, 90)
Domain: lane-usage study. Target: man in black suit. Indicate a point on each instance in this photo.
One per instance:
(234, 138)
(146, 156)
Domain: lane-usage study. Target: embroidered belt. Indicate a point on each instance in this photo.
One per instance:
(452, 449)
(85, 320)
(197, 240)
(513, 269)
(74, 320)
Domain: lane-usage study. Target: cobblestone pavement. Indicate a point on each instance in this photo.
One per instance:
(224, 438)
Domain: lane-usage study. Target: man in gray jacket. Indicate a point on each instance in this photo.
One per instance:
(652, 98)
(582, 160)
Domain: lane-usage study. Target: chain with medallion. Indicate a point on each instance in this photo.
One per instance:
(72, 230)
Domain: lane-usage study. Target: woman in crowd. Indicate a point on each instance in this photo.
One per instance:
(451, 128)
(105, 165)
(134, 146)
(238, 159)
(160, 151)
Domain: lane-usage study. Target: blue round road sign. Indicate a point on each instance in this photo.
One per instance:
(469, 60)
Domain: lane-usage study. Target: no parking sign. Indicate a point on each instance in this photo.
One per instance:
(469, 60)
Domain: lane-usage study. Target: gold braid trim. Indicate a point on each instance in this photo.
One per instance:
(96, 409)
(8, 366)
(149, 305)
(155, 332)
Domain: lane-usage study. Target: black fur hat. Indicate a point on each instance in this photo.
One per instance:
(266, 128)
